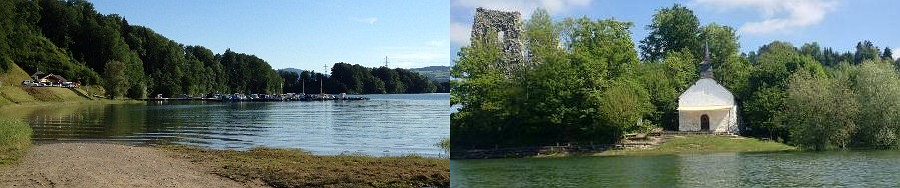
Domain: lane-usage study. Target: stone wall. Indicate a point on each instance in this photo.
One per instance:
(507, 26)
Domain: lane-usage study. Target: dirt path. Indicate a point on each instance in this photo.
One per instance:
(106, 165)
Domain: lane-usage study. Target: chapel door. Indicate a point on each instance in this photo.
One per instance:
(704, 122)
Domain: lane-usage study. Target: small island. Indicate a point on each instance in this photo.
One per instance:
(586, 88)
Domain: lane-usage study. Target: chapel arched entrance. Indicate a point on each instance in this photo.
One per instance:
(704, 122)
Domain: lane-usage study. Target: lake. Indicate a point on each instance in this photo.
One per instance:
(783, 169)
(386, 125)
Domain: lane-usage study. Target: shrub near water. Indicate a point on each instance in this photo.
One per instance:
(15, 138)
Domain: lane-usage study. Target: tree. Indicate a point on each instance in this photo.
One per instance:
(345, 76)
(878, 87)
(480, 93)
(541, 36)
(390, 78)
(820, 111)
(865, 50)
(602, 49)
(735, 74)
(115, 79)
(665, 82)
(291, 82)
(722, 41)
(813, 50)
(624, 106)
(775, 63)
(887, 55)
(671, 30)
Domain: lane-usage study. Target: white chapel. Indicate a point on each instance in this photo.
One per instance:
(706, 105)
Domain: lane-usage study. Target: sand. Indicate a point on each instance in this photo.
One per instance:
(107, 165)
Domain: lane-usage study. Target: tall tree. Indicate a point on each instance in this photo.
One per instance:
(671, 29)
(722, 41)
(865, 50)
(878, 87)
(820, 111)
(115, 79)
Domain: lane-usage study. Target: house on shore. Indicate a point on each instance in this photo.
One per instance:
(42, 77)
(707, 106)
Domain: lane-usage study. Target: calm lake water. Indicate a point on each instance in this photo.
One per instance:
(394, 124)
(785, 169)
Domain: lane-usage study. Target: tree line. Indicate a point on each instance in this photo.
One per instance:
(595, 87)
(72, 39)
(356, 79)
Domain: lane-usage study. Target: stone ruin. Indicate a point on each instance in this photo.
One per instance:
(507, 27)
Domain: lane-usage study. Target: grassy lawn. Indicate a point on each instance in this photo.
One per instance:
(295, 168)
(15, 138)
(704, 144)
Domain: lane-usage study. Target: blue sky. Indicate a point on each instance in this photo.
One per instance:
(311, 34)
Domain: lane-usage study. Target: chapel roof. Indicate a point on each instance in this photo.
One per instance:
(705, 93)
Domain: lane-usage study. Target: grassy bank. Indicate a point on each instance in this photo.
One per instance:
(295, 168)
(704, 144)
(15, 138)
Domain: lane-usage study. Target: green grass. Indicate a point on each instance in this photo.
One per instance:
(295, 168)
(705, 144)
(15, 138)
(11, 92)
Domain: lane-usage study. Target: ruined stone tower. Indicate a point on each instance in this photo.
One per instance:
(507, 26)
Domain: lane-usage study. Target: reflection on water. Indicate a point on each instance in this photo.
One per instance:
(386, 125)
(787, 169)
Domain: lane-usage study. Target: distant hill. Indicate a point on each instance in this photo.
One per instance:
(438, 73)
(298, 71)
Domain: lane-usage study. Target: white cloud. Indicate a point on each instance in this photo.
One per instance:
(436, 43)
(369, 20)
(418, 55)
(459, 33)
(894, 53)
(525, 6)
(778, 15)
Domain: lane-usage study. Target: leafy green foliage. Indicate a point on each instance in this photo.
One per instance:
(70, 38)
(866, 51)
(722, 41)
(582, 92)
(665, 82)
(593, 89)
(878, 87)
(820, 111)
(855, 106)
(347, 78)
(115, 79)
(672, 29)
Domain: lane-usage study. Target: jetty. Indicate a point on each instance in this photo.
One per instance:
(237, 97)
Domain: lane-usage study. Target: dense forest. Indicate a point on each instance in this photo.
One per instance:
(598, 85)
(71, 39)
(356, 79)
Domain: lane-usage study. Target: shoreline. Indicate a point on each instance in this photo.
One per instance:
(691, 144)
(83, 164)
(79, 102)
